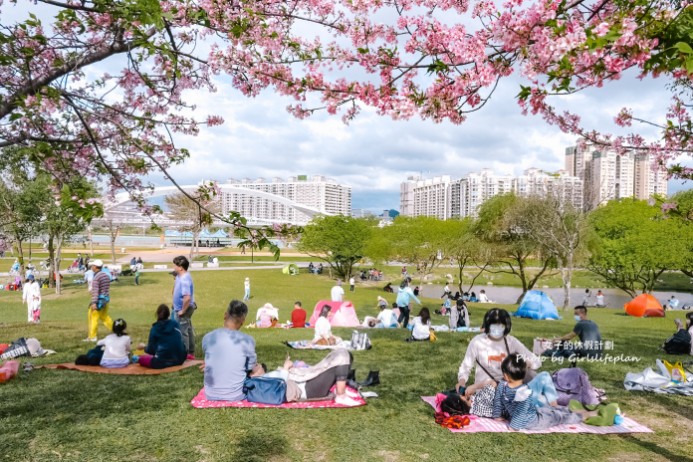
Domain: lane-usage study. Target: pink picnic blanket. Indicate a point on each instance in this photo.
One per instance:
(201, 402)
(481, 424)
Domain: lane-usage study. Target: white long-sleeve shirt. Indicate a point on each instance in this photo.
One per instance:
(421, 331)
(491, 353)
(116, 347)
(323, 329)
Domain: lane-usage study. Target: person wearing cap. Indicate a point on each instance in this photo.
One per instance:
(31, 295)
(337, 293)
(184, 302)
(100, 299)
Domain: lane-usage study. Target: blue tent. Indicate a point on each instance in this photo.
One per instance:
(220, 233)
(537, 305)
(172, 233)
(205, 234)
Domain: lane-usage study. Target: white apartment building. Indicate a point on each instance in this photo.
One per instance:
(426, 197)
(609, 175)
(467, 194)
(561, 185)
(318, 192)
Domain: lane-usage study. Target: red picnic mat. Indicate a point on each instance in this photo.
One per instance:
(132, 369)
(200, 401)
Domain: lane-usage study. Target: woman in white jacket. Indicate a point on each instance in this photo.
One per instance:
(31, 295)
(487, 351)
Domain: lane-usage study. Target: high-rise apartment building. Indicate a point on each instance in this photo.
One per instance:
(609, 175)
(318, 193)
(460, 198)
(426, 197)
(564, 187)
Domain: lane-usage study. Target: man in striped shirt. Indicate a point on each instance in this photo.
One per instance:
(100, 298)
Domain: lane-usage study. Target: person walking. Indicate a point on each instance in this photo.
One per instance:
(246, 289)
(352, 284)
(31, 295)
(100, 300)
(184, 302)
(404, 297)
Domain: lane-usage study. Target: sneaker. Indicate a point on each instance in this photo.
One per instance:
(89, 339)
(345, 400)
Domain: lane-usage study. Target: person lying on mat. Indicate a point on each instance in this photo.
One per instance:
(229, 355)
(306, 383)
(165, 347)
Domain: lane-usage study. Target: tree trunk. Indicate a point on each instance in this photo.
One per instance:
(58, 252)
(20, 257)
(567, 276)
(51, 261)
(113, 234)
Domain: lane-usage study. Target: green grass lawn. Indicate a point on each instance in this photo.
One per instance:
(51, 415)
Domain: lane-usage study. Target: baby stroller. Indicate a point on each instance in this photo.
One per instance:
(74, 267)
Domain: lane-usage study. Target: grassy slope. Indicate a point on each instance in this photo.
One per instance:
(65, 415)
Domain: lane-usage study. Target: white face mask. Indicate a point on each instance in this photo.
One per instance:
(496, 330)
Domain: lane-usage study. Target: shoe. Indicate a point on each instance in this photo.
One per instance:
(351, 375)
(344, 400)
(89, 339)
(372, 379)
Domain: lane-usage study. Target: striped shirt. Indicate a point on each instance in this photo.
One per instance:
(100, 286)
(515, 405)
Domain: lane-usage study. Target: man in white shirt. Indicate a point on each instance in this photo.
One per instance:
(352, 284)
(337, 293)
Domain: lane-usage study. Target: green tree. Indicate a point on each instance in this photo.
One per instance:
(466, 250)
(634, 244)
(502, 223)
(420, 241)
(561, 229)
(340, 241)
(195, 213)
(680, 208)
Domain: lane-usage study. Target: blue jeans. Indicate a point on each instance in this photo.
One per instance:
(186, 329)
(543, 391)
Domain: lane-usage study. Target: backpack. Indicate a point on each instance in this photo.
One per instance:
(573, 383)
(678, 344)
(265, 390)
(360, 341)
(16, 349)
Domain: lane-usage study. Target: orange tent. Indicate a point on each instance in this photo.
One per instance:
(644, 305)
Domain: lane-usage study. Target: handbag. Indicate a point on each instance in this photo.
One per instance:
(265, 390)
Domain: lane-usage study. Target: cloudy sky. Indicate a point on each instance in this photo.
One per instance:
(374, 154)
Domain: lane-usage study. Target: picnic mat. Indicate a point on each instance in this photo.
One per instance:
(132, 369)
(307, 345)
(480, 424)
(201, 402)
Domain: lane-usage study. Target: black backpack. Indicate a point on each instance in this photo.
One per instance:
(679, 343)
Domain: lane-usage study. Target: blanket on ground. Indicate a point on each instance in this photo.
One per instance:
(200, 402)
(307, 345)
(480, 424)
(132, 369)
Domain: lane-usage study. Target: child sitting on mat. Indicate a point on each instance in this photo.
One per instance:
(513, 401)
(116, 346)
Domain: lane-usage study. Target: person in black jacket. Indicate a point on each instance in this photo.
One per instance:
(680, 342)
(165, 347)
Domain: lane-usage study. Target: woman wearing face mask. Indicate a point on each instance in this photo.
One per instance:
(487, 351)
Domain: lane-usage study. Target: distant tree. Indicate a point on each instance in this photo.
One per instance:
(340, 241)
(466, 250)
(634, 244)
(680, 208)
(196, 213)
(561, 229)
(419, 241)
(502, 223)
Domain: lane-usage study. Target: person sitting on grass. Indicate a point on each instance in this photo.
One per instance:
(459, 315)
(229, 356)
(587, 331)
(386, 318)
(165, 347)
(116, 351)
(513, 401)
(422, 327)
(314, 382)
(486, 351)
(680, 342)
(298, 316)
(323, 329)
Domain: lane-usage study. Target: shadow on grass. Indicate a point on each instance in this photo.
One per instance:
(656, 449)
(260, 447)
